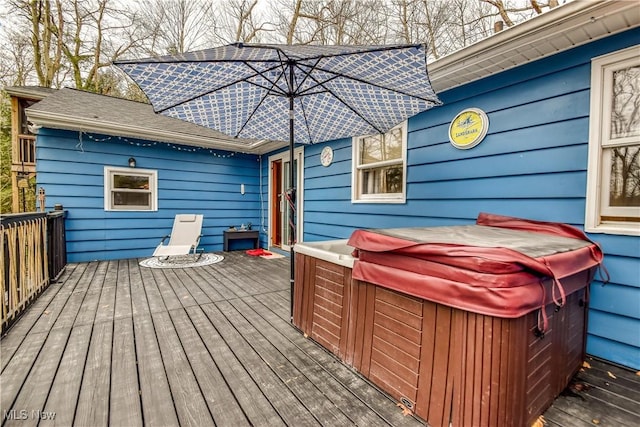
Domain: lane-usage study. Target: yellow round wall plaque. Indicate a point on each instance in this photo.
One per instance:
(468, 128)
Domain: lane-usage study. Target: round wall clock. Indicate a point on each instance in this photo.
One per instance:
(468, 128)
(326, 156)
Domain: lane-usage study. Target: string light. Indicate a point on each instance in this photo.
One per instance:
(80, 144)
(137, 143)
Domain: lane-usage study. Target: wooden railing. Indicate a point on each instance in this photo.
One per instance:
(26, 150)
(33, 253)
(56, 243)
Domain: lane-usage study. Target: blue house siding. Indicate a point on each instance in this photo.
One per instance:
(532, 164)
(71, 170)
(614, 308)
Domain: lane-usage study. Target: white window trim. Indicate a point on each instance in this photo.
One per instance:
(399, 198)
(597, 129)
(153, 182)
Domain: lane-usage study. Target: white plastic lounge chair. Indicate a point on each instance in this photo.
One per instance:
(184, 237)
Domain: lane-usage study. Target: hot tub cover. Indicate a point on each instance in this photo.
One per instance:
(501, 266)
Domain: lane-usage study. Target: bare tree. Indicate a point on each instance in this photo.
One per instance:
(93, 38)
(75, 41)
(71, 41)
(19, 64)
(448, 25)
(502, 11)
(537, 6)
(176, 26)
(353, 22)
(424, 21)
(332, 22)
(241, 22)
(294, 21)
(43, 21)
(521, 10)
(297, 22)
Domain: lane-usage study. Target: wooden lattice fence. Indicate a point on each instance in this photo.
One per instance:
(33, 252)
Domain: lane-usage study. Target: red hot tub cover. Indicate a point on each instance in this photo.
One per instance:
(501, 266)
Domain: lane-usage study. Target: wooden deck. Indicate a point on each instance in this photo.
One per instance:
(117, 344)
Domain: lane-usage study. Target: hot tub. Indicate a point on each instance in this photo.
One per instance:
(322, 292)
(475, 333)
(334, 251)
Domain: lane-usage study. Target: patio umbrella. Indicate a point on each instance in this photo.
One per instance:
(300, 94)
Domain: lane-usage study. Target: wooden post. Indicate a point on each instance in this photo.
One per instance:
(41, 198)
(15, 153)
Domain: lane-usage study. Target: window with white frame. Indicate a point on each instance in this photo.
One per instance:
(127, 189)
(380, 167)
(613, 186)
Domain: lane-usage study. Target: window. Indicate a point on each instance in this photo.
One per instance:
(379, 167)
(130, 189)
(613, 188)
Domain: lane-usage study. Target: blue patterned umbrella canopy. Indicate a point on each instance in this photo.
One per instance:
(305, 94)
(245, 90)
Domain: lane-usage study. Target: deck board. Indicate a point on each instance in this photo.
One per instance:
(358, 386)
(18, 368)
(170, 301)
(158, 408)
(222, 404)
(123, 308)
(227, 278)
(125, 408)
(204, 279)
(113, 343)
(107, 301)
(52, 311)
(220, 284)
(183, 294)
(93, 401)
(11, 342)
(277, 393)
(87, 313)
(65, 388)
(263, 340)
(255, 405)
(35, 389)
(197, 294)
(190, 405)
(72, 308)
(359, 413)
(31, 316)
(139, 298)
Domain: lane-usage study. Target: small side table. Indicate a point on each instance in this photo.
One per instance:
(240, 235)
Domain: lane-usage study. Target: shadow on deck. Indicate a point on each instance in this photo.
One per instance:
(113, 343)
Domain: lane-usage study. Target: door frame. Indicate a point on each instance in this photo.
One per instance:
(285, 157)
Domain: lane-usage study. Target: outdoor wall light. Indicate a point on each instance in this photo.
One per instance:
(132, 162)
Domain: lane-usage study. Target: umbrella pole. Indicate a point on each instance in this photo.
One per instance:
(292, 206)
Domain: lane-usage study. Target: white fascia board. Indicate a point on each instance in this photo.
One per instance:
(453, 70)
(27, 92)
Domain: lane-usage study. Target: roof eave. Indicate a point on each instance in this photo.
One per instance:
(503, 50)
(80, 124)
(29, 92)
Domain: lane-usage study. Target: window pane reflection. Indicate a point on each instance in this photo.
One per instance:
(625, 116)
(378, 148)
(123, 198)
(131, 182)
(624, 184)
(382, 180)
